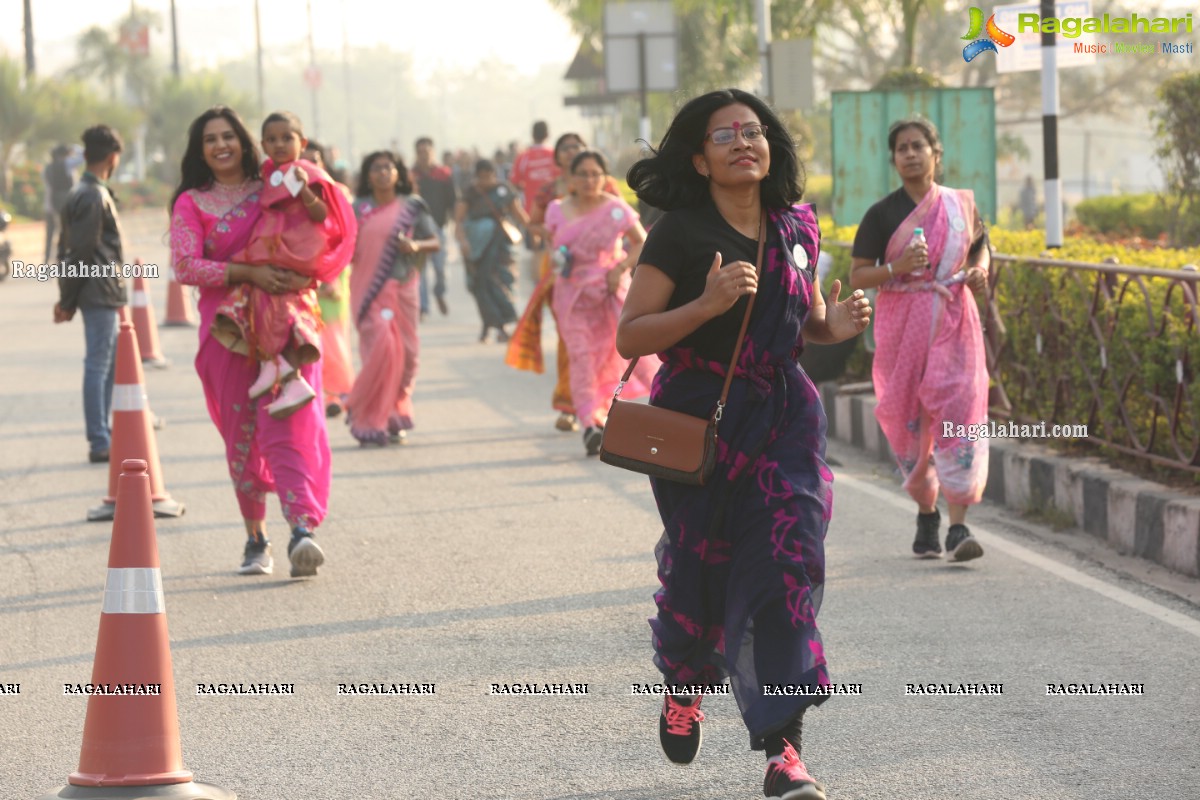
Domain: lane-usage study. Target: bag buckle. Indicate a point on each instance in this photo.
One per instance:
(720, 410)
(617, 393)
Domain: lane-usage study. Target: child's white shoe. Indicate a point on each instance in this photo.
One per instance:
(294, 395)
(270, 373)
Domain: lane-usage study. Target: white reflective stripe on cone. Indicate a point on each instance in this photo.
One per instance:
(128, 397)
(140, 300)
(134, 590)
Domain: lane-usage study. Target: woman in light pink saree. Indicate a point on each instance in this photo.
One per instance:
(586, 230)
(213, 214)
(395, 231)
(930, 371)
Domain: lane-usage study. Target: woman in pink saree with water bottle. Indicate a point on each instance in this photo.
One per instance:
(924, 245)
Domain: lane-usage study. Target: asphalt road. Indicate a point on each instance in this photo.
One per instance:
(490, 550)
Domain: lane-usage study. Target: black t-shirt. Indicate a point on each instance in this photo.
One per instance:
(683, 244)
(437, 188)
(882, 220)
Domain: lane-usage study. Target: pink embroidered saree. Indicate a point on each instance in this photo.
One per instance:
(289, 456)
(929, 365)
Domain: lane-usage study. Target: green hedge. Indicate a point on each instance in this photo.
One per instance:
(1124, 214)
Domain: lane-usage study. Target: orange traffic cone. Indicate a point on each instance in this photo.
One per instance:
(144, 324)
(179, 310)
(131, 744)
(132, 431)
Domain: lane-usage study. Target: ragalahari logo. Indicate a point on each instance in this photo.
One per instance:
(995, 36)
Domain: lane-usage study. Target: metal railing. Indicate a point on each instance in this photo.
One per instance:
(1111, 346)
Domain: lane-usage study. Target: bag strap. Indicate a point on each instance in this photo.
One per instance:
(741, 337)
(496, 212)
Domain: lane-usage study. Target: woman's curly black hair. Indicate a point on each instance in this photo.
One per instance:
(668, 179)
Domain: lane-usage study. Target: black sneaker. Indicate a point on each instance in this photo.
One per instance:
(926, 544)
(961, 545)
(679, 729)
(304, 553)
(787, 778)
(592, 437)
(256, 558)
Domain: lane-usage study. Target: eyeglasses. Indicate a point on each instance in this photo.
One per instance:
(383, 166)
(589, 176)
(751, 133)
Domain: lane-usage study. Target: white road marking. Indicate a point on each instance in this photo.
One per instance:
(997, 542)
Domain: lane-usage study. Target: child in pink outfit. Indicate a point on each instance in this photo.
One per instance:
(306, 226)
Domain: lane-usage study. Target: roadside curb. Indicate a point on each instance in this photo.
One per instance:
(1132, 515)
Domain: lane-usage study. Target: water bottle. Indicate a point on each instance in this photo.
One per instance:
(919, 236)
(562, 260)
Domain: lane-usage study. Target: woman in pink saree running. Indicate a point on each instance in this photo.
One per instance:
(397, 230)
(213, 215)
(922, 246)
(586, 229)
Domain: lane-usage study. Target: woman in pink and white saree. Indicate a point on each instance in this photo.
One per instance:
(586, 230)
(924, 246)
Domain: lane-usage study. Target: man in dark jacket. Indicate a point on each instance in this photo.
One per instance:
(91, 260)
(57, 183)
(435, 184)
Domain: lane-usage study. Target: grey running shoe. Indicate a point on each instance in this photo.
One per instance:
(926, 544)
(961, 545)
(304, 553)
(256, 559)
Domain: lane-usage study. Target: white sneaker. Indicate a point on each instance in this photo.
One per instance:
(294, 395)
(270, 373)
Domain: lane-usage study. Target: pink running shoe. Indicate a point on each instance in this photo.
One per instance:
(788, 779)
(269, 373)
(294, 395)
(679, 730)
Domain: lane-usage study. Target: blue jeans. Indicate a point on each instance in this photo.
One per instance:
(99, 362)
(438, 260)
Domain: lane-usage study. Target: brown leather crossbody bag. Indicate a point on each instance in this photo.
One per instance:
(670, 444)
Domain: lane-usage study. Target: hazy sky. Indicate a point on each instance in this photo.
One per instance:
(525, 33)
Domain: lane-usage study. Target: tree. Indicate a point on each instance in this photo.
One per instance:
(174, 103)
(19, 111)
(718, 39)
(1177, 123)
(103, 54)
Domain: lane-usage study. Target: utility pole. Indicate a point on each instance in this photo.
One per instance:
(258, 50)
(29, 63)
(762, 10)
(174, 43)
(350, 152)
(312, 63)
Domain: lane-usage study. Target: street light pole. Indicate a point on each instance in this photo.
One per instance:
(258, 51)
(29, 63)
(763, 12)
(312, 62)
(174, 42)
(346, 77)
